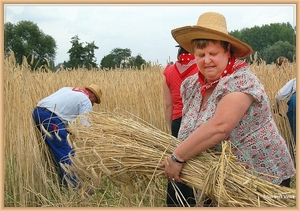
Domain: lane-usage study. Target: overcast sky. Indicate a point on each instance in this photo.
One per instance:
(144, 29)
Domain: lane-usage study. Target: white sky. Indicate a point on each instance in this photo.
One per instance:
(144, 29)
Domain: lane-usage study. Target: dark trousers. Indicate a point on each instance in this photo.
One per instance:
(187, 198)
(286, 183)
(175, 127)
(291, 114)
(57, 143)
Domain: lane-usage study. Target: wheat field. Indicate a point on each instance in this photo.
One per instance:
(30, 177)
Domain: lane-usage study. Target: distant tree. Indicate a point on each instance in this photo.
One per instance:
(90, 59)
(137, 61)
(81, 56)
(259, 38)
(279, 48)
(121, 58)
(118, 57)
(26, 39)
(108, 62)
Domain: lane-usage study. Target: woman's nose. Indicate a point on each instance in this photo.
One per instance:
(207, 59)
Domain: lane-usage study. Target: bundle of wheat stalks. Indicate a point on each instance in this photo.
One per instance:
(124, 149)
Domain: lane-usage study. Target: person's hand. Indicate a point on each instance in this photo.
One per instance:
(172, 169)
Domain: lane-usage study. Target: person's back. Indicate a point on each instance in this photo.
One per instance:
(67, 103)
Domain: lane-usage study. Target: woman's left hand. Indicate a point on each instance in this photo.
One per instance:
(172, 169)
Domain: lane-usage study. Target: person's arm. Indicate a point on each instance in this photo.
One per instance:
(168, 102)
(286, 90)
(85, 108)
(229, 112)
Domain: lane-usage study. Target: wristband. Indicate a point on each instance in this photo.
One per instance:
(174, 158)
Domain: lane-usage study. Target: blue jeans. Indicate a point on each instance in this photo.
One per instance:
(291, 114)
(57, 144)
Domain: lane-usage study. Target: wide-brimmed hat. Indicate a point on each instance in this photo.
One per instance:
(210, 25)
(96, 90)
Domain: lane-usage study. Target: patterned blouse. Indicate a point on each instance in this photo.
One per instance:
(256, 141)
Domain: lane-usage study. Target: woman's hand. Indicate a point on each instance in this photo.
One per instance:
(172, 169)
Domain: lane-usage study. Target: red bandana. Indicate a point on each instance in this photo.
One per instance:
(228, 70)
(81, 90)
(185, 58)
(185, 64)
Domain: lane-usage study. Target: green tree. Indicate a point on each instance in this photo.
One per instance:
(76, 53)
(137, 61)
(259, 38)
(108, 62)
(121, 58)
(279, 48)
(26, 39)
(118, 57)
(81, 56)
(90, 59)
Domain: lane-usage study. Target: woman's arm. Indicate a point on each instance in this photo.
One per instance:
(168, 102)
(229, 112)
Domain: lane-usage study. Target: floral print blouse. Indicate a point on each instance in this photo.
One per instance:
(256, 141)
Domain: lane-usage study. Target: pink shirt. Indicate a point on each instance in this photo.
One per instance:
(256, 141)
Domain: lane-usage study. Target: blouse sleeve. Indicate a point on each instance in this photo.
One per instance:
(243, 81)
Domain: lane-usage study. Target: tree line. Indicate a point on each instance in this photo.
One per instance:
(28, 41)
(270, 41)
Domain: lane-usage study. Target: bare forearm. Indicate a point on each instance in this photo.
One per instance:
(169, 111)
(205, 137)
(230, 111)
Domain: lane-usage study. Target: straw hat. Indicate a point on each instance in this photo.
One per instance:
(213, 26)
(96, 90)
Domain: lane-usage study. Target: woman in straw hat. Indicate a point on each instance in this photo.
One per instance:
(52, 114)
(225, 101)
(174, 74)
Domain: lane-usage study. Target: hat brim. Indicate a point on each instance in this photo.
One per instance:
(184, 36)
(95, 93)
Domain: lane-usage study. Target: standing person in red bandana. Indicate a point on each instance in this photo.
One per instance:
(225, 101)
(53, 114)
(174, 74)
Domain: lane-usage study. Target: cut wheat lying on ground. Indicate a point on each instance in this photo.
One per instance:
(30, 175)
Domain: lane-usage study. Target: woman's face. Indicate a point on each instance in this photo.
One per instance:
(212, 60)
